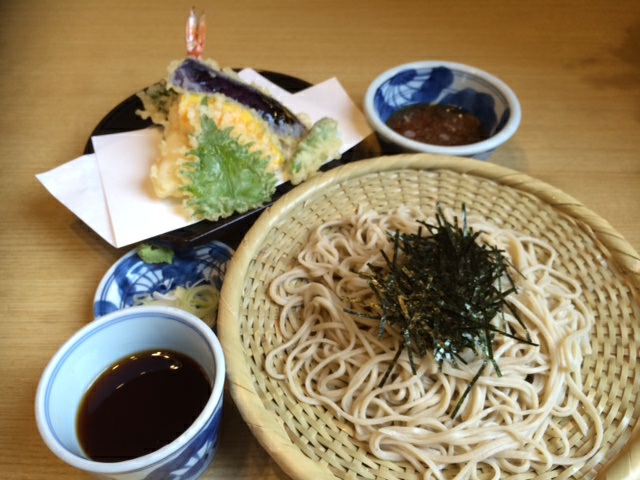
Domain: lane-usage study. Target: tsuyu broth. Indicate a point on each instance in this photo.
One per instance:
(140, 404)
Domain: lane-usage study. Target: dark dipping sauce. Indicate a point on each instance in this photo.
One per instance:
(140, 404)
(444, 125)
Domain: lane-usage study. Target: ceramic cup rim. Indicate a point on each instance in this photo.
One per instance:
(489, 144)
(157, 456)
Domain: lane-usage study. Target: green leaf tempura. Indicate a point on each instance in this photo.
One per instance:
(225, 176)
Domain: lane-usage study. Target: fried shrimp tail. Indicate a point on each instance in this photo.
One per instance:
(196, 31)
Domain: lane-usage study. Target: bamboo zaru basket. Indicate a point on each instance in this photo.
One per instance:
(309, 441)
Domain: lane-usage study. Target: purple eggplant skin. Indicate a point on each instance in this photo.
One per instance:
(195, 76)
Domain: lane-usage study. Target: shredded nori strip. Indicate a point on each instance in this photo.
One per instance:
(442, 289)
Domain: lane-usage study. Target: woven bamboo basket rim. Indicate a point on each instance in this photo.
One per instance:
(246, 379)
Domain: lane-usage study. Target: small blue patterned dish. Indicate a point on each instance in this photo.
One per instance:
(130, 276)
(446, 83)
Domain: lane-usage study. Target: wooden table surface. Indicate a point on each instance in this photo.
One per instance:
(575, 66)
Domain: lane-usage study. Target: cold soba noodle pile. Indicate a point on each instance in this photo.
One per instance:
(508, 422)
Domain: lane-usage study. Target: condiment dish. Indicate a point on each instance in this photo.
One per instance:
(476, 92)
(131, 277)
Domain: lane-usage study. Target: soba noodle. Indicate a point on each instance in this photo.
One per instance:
(521, 422)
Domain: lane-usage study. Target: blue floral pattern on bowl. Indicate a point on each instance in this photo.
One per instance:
(130, 276)
(192, 462)
(445, 86)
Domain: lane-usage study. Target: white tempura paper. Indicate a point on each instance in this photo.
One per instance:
(77, 185)
(111, 192)
(134, 210)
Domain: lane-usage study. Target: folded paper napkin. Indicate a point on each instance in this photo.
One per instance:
(111, 192)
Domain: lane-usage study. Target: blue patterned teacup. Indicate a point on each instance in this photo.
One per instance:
(102, 343)
(446, 83)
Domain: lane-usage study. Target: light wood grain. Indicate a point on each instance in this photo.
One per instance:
(575, 66)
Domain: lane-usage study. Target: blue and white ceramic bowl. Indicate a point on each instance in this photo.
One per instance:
(130, 276)
(475, 91)
(102, 343)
